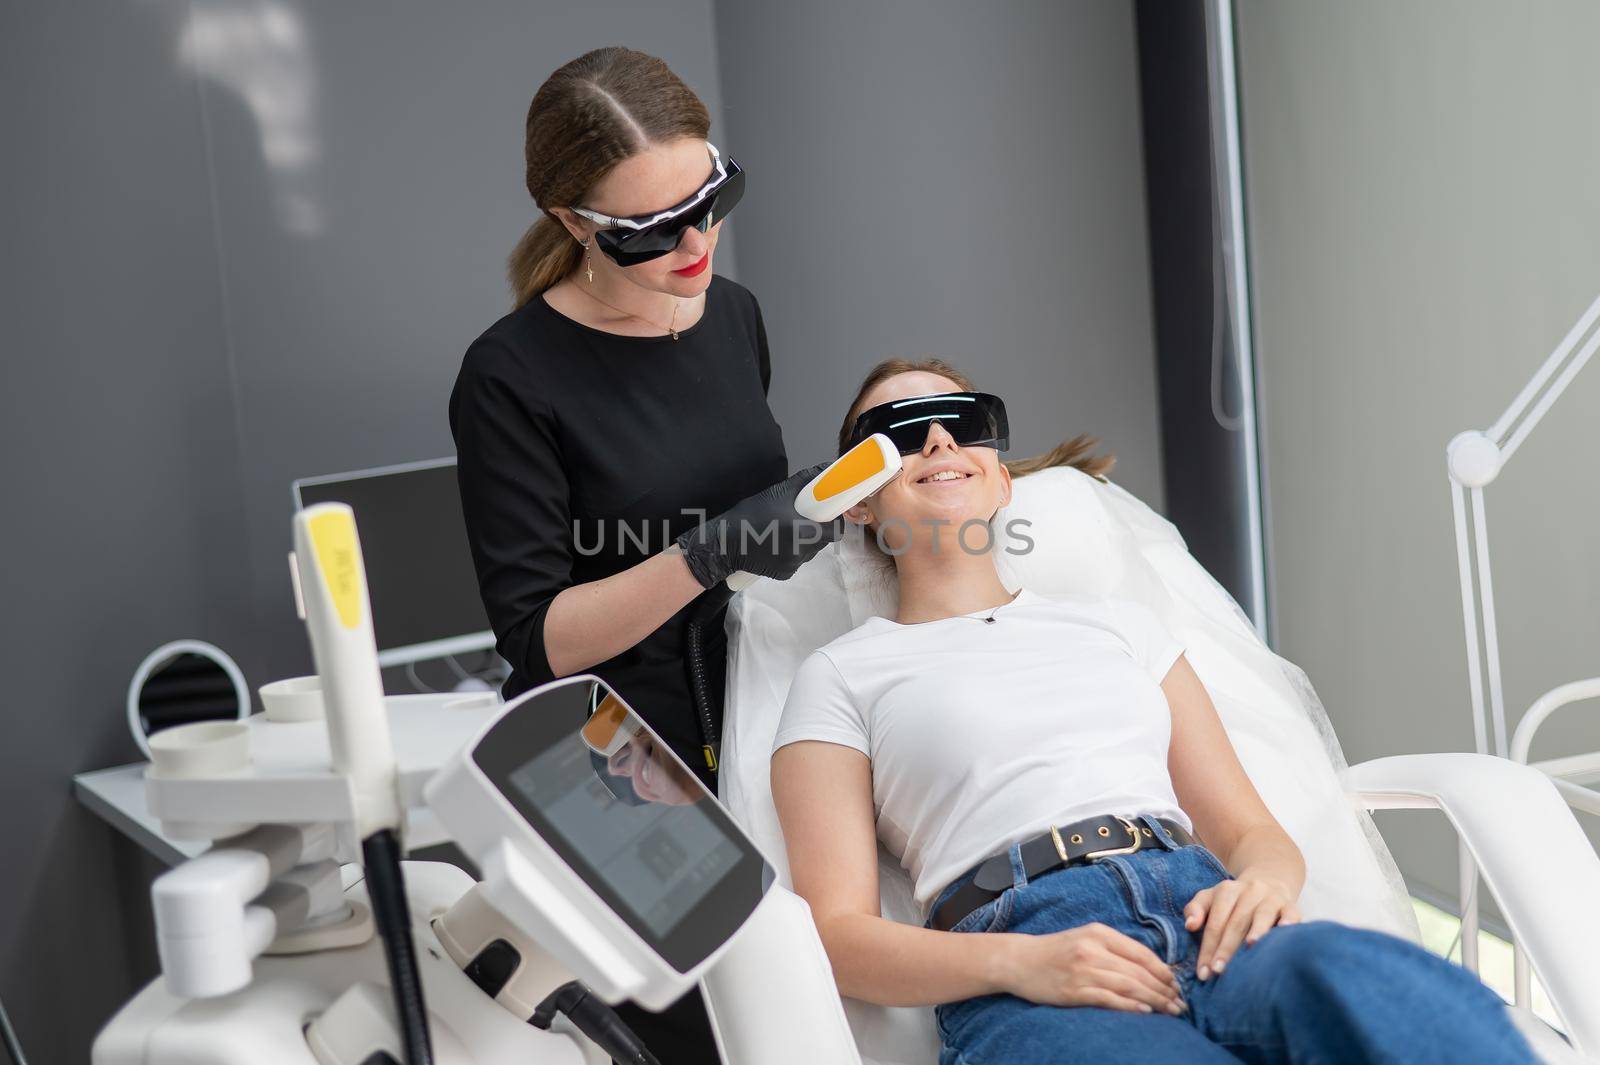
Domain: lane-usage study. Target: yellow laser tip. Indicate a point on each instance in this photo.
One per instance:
(854, 466)
(601, 728)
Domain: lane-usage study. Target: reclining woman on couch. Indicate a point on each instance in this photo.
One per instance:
(1045, 770)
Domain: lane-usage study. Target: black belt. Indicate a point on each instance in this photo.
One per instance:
(1076, 844)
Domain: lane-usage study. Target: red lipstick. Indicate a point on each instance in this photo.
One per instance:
(693, 271)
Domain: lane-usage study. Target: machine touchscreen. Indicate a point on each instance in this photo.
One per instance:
(627, 816)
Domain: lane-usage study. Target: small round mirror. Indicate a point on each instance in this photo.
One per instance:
(182, 682)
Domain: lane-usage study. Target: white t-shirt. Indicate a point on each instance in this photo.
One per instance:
(983, 734)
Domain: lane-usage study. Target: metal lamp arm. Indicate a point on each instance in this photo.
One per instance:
(1474, 459)
(1540, 394)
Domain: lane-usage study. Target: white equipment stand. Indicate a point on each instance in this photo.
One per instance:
(604, 860)
(319, 993)
(1475, 458)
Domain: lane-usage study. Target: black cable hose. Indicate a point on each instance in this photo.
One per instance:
(707, 611)
(594, 1019)
(386, 889)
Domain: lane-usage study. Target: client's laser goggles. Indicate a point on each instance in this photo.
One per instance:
(611, 726)
(973, 419)
(631, 241)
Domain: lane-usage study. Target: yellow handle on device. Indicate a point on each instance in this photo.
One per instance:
(333, 550)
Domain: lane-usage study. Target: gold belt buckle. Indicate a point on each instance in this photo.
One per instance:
(1133, 830)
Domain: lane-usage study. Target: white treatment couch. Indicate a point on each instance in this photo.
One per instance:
(1093, 538)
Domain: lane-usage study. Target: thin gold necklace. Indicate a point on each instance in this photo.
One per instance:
(671, 328)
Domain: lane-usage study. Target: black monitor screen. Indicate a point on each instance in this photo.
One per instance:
(414, 543)
(628, 816)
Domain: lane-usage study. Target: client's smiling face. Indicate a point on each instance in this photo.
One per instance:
(656, 777)
(942, 483)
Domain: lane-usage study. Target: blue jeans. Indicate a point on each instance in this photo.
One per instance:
(1315, 992)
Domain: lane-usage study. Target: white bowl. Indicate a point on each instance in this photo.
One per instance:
(294, 699)
(201, 749)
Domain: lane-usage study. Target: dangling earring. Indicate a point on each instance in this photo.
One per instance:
(588, 266)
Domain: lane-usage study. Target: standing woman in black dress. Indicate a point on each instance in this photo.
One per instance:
(621, 402)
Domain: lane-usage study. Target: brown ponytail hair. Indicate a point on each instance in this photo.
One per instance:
(591, 114)
(1077, 452)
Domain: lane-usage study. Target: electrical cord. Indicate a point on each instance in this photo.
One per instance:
(594, 1019)
(492, 674)
(707, 611)
(492, 671)
(386, 890)
(13, 1044)
(416, 681)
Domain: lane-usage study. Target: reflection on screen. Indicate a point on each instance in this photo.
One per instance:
(654, 845)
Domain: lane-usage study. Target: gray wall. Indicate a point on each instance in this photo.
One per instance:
(231, 263)
(121, 482)
(1425, 228)
(948, 179)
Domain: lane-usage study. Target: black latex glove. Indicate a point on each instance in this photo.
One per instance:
(761, 535)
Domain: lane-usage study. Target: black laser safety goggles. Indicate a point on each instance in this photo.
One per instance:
(973, 419)
(631, 241)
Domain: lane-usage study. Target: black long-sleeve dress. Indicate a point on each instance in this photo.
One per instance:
(581, 453)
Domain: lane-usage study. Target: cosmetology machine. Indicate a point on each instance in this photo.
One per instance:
(608, 873)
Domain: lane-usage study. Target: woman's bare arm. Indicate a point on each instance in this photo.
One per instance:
(592, 622)
(823, 792)
(1214, 790)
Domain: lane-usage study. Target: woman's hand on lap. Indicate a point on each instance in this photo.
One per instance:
(1093, 965)
(1234, 912)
